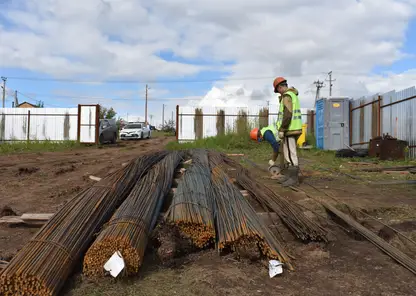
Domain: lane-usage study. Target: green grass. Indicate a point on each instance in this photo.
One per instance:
(230, 143)
(36, 146)
(314, 159)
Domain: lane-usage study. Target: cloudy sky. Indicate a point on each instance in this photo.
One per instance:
(105, 51)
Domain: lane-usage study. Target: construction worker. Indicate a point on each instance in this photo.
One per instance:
(289, 126)
(269, 134)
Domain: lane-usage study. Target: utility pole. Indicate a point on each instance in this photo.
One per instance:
(163, 114)
(319, 85)
(15, 98)
(145, 107)
(330, 82)
(4, 89)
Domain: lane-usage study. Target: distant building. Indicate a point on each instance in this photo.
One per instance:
(26, 105)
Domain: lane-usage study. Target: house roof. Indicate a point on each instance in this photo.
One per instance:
(34, 106)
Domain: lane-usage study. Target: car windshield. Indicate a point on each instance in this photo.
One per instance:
(130, 126)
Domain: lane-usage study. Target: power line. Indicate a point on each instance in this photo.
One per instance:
(142, 99)
(68, 80)
(34, 100)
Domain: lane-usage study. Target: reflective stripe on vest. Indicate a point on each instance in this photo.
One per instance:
(269, 128)
(296, 122)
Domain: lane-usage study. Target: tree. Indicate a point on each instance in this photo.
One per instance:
(169, 127)
(40, 104)
(107, 113)
(119, 122)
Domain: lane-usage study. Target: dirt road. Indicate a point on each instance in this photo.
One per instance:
(43, 182)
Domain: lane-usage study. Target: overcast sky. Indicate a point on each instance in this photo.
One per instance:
(105, 51)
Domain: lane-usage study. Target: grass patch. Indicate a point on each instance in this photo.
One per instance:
(312, 159)
(36, 146)
(230, 143)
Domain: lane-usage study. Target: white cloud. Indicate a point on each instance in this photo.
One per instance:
(299, 39)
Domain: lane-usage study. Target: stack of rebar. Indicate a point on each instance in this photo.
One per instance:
(237, 223)
(129, 227)
(192, 205)
(288, 211)
(42, 266)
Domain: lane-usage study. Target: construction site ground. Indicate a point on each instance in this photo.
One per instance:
(348, 265)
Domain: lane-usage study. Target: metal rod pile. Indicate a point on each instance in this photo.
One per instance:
(129, 227)
(237, 223)
(192, 205)
(288, 211)
(42, 266)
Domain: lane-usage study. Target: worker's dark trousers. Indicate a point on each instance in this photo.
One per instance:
(269, 137)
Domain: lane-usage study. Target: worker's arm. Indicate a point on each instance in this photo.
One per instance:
(287, 113)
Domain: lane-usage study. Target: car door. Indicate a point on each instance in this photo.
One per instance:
(105, 130)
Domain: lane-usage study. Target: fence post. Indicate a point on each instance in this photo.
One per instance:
(380, 98)
(79, 124)
(350, 123)
(177, 122)
(28, 126)
(97, 125)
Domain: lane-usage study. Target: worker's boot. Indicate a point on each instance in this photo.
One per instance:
(283, 176)
(293, 177)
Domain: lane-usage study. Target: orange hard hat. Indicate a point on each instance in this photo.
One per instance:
(277, 81)
(253, 134)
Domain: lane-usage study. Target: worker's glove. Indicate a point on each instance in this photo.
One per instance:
(271, 162)
(281, 135)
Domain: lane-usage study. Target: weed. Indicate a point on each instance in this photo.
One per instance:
(36, 146)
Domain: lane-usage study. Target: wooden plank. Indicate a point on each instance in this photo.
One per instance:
(11, 220)
(95, 178)
(3, 264)
(36, 217)
(396, 172)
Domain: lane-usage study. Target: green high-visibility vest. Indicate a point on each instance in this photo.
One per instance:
(296, 122)
(271, 128)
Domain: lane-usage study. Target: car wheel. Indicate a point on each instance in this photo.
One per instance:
(101, 139)
(114, 139)
(141, 135)
(148, 135)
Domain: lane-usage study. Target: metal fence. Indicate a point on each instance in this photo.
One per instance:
(196, 123)
(38, 124)
(392, 113)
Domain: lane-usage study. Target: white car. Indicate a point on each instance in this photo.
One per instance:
(135, 131)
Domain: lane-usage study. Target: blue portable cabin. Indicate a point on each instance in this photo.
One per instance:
(332, 123)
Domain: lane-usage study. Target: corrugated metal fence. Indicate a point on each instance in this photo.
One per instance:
(393, 113)
(196, 123)
(38, 124)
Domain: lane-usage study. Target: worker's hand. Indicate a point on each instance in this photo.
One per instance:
(271, 162)
(281, 135)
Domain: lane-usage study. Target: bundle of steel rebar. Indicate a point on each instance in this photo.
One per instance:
(192, 209)
(129, 227)
(288, 211)
(42, 266)
(237, 223)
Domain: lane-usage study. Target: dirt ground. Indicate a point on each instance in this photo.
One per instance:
(347, 265)
(43, 182)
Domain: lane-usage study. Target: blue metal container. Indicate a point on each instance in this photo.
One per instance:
(332, 123)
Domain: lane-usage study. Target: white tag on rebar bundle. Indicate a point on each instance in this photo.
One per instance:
(275, 268)
(115, 264)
